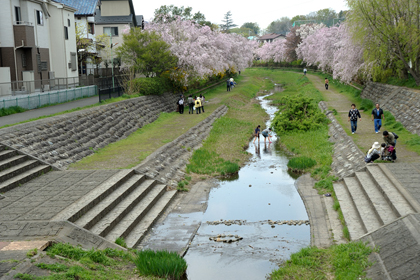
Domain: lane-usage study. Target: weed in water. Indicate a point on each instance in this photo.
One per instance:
(161, 263)
(120, 241)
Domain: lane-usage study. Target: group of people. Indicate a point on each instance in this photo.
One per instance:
(195, 103)
(386, 150)
(230, 83)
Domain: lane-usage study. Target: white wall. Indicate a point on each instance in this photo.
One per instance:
(6, 19)
(5, 85)
(42, 37)
(60, 48)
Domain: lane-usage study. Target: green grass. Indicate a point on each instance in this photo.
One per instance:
(87, 265)
(301, 163)
(11, 110)
(32, 253)
(161, 263)
(120, 241)
(344, 261)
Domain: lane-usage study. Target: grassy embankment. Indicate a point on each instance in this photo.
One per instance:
(222, 152)
(312, 148)
(410, 140)
(63, 261)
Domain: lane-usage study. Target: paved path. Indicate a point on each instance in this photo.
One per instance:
(46, 111)
(365, 135)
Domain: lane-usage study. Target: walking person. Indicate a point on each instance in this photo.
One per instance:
(377, 117)
(353, 115)
(326, 83)
(257, 133)
(190, 104)
(197, 104)
(228, 84)
(304, 71)
(202, 99)
(181, 104)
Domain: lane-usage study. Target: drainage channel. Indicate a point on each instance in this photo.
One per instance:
(253, 222)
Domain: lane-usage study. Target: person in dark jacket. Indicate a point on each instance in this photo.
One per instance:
(377, 117)
(191, 104)
(353, 115)
(181, 104)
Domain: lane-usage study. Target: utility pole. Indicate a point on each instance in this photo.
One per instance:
(112, 59)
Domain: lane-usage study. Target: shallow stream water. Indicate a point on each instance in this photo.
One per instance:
(262, 191)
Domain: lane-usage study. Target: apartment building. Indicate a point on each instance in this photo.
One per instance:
(37, 40)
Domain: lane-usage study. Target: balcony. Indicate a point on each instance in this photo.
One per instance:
(24, 34)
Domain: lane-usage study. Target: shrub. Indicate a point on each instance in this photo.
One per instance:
(300, 163)
(161, 264)
(149, 86)
(298, 113)
(11, 110)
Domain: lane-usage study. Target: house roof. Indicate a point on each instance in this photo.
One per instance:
(99, 19)
(270, 36)
(83, 7)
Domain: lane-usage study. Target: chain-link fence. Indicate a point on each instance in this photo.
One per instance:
(33, 101)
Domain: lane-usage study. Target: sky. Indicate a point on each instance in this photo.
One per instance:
(262, 12)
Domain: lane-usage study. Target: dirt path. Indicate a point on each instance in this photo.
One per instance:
(365, 135)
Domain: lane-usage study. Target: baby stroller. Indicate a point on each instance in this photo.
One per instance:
(389, 154)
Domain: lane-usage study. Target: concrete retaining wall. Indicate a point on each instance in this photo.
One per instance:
(402, 102)
(64, 139)
(347, 158)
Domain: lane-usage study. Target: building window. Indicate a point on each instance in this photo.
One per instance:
(18, 15)
(39, 18)
(111, 31)
(73, 61)
(91, 28)
(66, 32)
(68, 22)
(23, 57)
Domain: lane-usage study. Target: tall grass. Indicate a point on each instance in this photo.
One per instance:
(301, 163)
(161, 263)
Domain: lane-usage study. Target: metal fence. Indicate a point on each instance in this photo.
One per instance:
(39, 86)
(33, 101)
(109, 93)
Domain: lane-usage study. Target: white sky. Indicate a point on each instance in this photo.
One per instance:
(262, 12)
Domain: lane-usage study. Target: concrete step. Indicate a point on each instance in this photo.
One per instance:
(93, 216)
(351, 215)
(119, 212)
(24, 177)
(395, 199)
(2, 148)
(367, 213)
(94, 197)
(17, 169)
(126, 225)
(383, 210)
(140, 230)
(5, 154)
(12, 161)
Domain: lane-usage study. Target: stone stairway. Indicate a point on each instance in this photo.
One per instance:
(166, 163)
(127, 205)
(371, 198)
(16, 169)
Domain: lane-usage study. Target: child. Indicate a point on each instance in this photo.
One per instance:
(267, 134)
(257, 133)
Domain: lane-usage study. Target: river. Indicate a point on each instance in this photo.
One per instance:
(262, 191)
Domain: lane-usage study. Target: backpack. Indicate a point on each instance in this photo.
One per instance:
(395, 135)
(181, 102)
